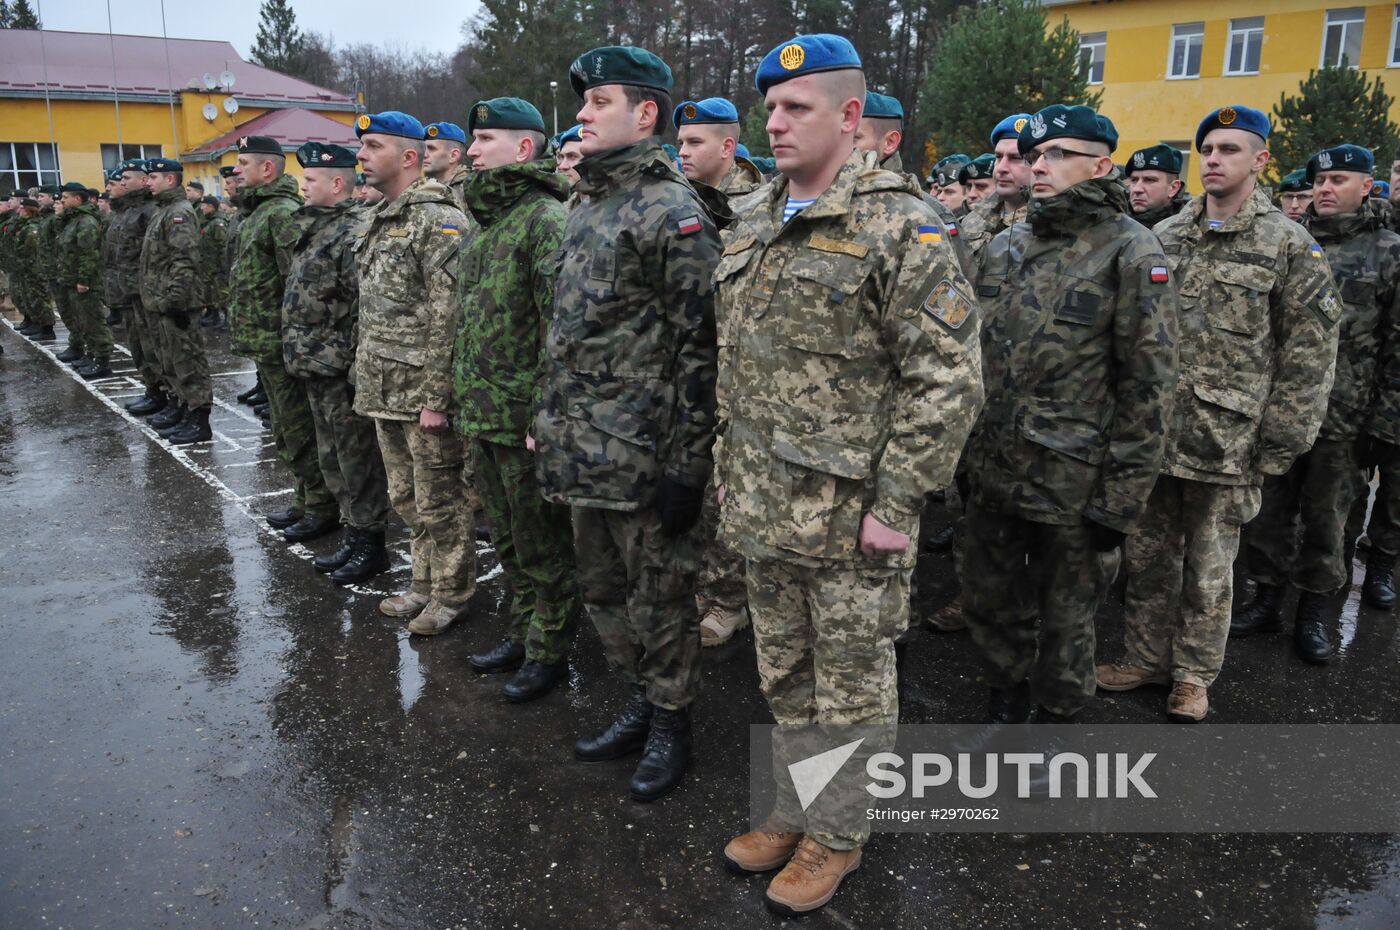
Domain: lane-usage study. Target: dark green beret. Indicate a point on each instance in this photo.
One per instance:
(163, 166)
(210, 199)
(29, 202)
(504, 113)
(1160, 157)
(1345, 157)
(133, 164)
(946, 170)
(226, 171)
(1058, 121)
(73, 187)
(979, 169)
(196, 185)
(1295, 182)
(259, 145)
(618, 64)
(320, 155)
(53, 190)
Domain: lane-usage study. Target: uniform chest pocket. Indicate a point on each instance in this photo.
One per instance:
(1079, 308)
(821, 305)
(1242, 304)
(1358, 291)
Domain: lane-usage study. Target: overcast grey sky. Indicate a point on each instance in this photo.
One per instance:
(430, 24)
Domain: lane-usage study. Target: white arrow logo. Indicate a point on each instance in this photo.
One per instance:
(811, 775)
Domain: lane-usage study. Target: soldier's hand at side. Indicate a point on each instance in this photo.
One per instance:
(82, 288)
(430, 421)
(719, 494)
(529, 443)
(878, 539)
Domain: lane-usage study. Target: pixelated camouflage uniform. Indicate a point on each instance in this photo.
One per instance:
(988, 217)
(1079, 358)
(849, 378)
(627, 398)
(408, 261)
(948, 229)
(507, 299)
(169, 291)
(121, 254)
(319, 307)
(78, 260)
(1257, 343)
(1320, 488)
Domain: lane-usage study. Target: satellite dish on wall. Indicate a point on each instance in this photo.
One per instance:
(226, 79)
(209, 82)
(230, 106)
(211, 112)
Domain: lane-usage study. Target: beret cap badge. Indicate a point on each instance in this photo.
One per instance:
(432, 132)
(792, 56)
(1020, 124)
(1226, 116)
(690, 111)
(362, 122)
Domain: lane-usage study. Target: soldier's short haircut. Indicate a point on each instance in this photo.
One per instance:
(403, 144)
(843, 85)
(635, 96)
(539, 148)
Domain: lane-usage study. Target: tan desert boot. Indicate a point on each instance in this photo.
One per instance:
(719, 625)
(762, 850)
(811, 877)
(1187, 703)
(434, 618)
(1120, 676)
(403, 606)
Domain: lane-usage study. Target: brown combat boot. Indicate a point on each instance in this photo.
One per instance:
(435, 618)
(762, 850)
(1120, 676)
(720, 624)
(403, 606)
(811, 877)
(1187, 703)
(948, 618)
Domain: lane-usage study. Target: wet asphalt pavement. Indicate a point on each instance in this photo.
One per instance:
(200, 731)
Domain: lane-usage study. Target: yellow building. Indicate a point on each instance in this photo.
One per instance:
(73, 105)
(1163, 65)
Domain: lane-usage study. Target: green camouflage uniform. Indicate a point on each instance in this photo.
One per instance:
(46, 263)
(7, 227)
(849, 378)
(1323, 484)
(78, 260)
(628, 398)
(319, 308)
(1150, 218)
(507, 283)
(31, 293)
(984, 221)
(408, 258)
(169, 291)
(1257, 344)
(213, 247)
(262, 259)
(121, 254)
(1080, 360)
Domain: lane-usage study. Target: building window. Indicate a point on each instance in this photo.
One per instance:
(113, 155)
(1186, 50)
(27, 164)
(1341, 39)
(1394, 61)
(1093, 46)
(1184, 147)
(1242, 48)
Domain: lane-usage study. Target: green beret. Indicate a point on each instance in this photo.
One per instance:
(1058, 121)
(164, 166)
(319, 155)
(1295, 182)
(1344, 157)
(133, 164)
(259, 145)
(1160, 157)
(504, 113)
(979, 169)
(617, 64)
(53, 190)
(210, 199)
(945, 171)
(226, 171)
(73, 187)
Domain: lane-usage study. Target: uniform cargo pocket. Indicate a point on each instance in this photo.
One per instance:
(1062, 452)
(1244, 305)
(816, 489)
(1217, 427)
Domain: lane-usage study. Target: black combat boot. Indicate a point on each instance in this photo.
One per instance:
(72, 353)
(369, 559)
(325, 564)
(165, 432)
(626, 734)
(194, 429)
(172, 414)
(942, 541)
(45, 332)
(533, 680)
(1378, 590)
(1009, 705)
(281, 519)
(153, 401)
(262, 409)
(1310, 633)
(311, 527)
(247, 396)
(114, 318)
(665, 758)
(505, 656)
(1262, 615)
(27, 327)
(98, 369)
(82, 361)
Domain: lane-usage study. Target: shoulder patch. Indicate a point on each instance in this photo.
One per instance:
(1159, 274)
(1330, 306)
(688, 225)
(450, 229)
(401, 233)
(839, 246)
(177, 219)
(930, 234)
(946, 304)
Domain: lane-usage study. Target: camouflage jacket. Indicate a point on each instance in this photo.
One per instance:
(1364, 258)
(407, 257)
(456, 183)
(231, 242)
(1079, 353)
(48, 236)
(1151, 218)
(169, 278)
(1258, 342)
(79, 252)
(213, 245)
(507, 284)
(121, 247)
(262, 258)
(983, 222)
(948, 229)
(629, 384)
(322, 296)
(8, 221)
(741, 178)
(849, 369)
(28, 246)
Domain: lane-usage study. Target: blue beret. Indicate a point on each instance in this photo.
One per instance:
(1344, 157)
(1010, 128)
(741, 150)
(979, 169)
(1234, 117)
(619, 64)
(389, 123)
(1058, 121)
(446, 132)
(568, 135)
(709, 110)
(805, 55)
(1295, 182)
(1381, 189)
(504, 113)
(881, 106)
(321, 155)
(163, 166)
(1160, 157)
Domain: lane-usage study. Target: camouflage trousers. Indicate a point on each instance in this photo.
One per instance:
(32, 298)
(182, 358)
(535, 545)
(429, 487)
(639, 587)
(824, 639)
(1383, 527)
(1030, 592)
(347, 451)
(143, 339)
(68, 314)
(721, 581)
(1180, 563)
(1317, 491)
(294, 432)
(89, 315)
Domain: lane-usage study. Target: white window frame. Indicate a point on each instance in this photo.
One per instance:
(1246, 32)
(1089, 41)
(1346, 25)
(52, 175)
(1200, 36)
(1394, 57)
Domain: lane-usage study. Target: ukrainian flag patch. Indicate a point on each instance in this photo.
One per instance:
(930, 234)
(449, 229)
(1315, 251)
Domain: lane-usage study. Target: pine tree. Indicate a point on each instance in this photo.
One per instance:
(754, 133)
(994, 59)
(22, 16)
(5, 15)
(1334, 105)
(279, 44)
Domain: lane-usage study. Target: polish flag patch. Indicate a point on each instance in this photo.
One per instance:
(1159, 274)
(691, 224)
